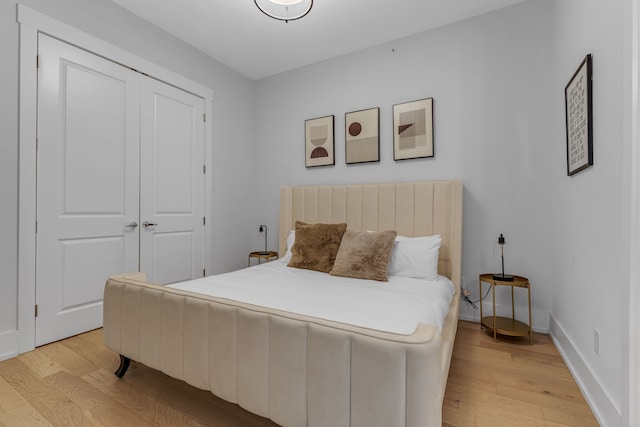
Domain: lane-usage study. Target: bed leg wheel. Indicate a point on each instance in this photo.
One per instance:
(124, 365)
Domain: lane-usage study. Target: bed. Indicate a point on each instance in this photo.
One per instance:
(300, 369)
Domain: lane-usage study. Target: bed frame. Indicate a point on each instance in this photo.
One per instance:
(299, 370)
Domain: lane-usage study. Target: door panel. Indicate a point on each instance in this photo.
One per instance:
(178, 247)
(116, 149)
(77, 252)
(88, 186)
(93, 144)
(172, 183)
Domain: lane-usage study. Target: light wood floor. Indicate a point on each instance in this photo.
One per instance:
(510, 383)
(71, 383)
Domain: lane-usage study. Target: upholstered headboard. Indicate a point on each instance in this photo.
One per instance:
(412, 209)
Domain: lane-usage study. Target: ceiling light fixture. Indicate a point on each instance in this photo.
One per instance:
(284, 10)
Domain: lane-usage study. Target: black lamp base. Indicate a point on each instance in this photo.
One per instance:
(264, 253)
(503, 277)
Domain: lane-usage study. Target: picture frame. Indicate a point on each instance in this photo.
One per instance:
(579, 118)
(319, 141)
(362, 136)
(413, 135)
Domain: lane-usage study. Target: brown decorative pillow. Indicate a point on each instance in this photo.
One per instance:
(316, 246)
(364, 255)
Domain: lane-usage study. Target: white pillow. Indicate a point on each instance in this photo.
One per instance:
(415, 257)
(291, 238)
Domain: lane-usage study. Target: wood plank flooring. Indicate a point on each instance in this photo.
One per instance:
(510, 383)
(71, 383)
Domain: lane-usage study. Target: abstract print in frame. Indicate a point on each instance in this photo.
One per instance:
(319, 142)
(413, 129)
(579, 118)
(362, 136)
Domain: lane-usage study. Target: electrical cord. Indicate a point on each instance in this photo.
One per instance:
(465, 295)
(485, 295)
(467, 299)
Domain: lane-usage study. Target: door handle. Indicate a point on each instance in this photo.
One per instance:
(132, 225)
(149, 224)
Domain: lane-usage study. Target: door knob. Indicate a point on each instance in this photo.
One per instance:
(132, 225)
(149, 224)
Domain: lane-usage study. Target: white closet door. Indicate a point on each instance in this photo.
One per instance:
(87, 185)
(172, 183)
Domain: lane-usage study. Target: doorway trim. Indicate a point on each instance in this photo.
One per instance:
(32, 23)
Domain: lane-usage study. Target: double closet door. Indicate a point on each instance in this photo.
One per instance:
(120, 184)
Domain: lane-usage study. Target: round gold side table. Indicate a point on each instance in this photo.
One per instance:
(505, 325)
(260, 255)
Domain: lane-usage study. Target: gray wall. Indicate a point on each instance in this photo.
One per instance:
(490, 80)
(232, 138)
(498, 83)
(8, 169)
(590, 225)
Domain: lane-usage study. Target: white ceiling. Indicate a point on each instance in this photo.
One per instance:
(237, 34)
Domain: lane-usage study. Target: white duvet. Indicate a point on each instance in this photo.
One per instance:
(396, 306)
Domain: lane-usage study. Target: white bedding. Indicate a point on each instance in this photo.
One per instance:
(396, 306)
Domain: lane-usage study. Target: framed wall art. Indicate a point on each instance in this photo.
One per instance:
(413, 129)
(319, 142)
(362, 136)
(579, 118)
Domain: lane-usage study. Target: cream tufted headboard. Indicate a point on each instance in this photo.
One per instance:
(412, 209)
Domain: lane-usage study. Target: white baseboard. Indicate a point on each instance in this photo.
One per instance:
(469, 315)
(605, 411)
(8, 344)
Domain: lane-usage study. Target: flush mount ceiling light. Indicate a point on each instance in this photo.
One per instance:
(284, 10)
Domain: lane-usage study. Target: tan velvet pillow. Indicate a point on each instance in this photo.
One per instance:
(364, 255)
(316, 246)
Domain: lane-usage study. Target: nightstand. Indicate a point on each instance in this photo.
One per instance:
(505, 325)
(260, 255)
